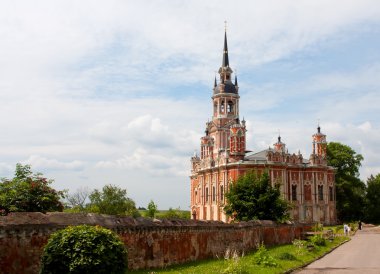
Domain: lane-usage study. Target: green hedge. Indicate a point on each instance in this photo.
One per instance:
(84, 249)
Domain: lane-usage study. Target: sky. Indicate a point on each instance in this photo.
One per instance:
(118, 92)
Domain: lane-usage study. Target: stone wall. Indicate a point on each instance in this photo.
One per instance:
(150, 243)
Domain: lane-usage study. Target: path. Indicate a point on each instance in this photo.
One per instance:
(360, 255)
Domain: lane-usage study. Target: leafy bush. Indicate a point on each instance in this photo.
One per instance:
(84, 249)
(318, 240)
(262, 257)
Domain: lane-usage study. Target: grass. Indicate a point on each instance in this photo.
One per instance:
(279, 259)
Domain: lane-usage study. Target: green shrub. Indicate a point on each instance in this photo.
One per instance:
(263, 258)
(84, 249)
(318, 240)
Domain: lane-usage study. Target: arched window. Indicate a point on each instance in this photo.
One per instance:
(331, 193)
(213, 194)
(222, 107)
(206, 194)
(294, 193)
(320, 192)
(221, 193)
(230, 107)
(196, 197)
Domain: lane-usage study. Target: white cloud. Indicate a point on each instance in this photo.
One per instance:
(37, 162)
(114, 89)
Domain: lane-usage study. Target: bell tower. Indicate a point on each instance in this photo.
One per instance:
(318, 155)
(225, 134)
(319, 143)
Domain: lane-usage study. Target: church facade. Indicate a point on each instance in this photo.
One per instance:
(308, 184)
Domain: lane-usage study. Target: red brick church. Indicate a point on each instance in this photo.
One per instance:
(309, 184)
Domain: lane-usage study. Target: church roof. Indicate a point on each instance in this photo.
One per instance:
(261, 156)
(229, 87)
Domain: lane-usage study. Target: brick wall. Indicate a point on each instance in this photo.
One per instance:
(150, 243)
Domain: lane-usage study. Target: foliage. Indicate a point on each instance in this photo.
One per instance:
(318, 227)
(373, 199)
(112, 200)
(174, 214)
(252, 197)
(28, 192)
(300, 246)
(84, 249)
(152, 209)
(318, 240)
(350, 190)
(263, 258)
(233, 263)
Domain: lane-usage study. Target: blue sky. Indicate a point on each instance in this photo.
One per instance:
(99, 92)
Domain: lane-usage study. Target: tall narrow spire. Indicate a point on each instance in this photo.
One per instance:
(225, 62)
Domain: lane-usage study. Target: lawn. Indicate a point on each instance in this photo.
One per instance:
(278, 259)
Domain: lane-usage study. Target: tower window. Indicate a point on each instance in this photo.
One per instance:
(230, 107)
(213, 194)
(206, 194)
(331, 193)
(221, 193)
(222, 107)
(320, 193)
(294, 193)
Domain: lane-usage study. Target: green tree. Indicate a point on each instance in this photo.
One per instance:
(28, 192)
(373, 199)
(350, 190)
(251, 197)
(111, 200)
(152, 209)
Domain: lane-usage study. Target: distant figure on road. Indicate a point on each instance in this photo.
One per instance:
(360, 225)
(346, 229)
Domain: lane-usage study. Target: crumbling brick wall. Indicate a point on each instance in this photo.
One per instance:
(150, 243)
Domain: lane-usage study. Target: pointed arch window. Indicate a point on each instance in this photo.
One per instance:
(213, 194)
(222, 107)
(221, 193)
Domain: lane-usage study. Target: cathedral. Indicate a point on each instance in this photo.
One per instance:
(308, 184)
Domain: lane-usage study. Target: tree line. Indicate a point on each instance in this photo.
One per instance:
(250, 197)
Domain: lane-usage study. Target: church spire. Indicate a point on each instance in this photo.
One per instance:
(225, 62)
